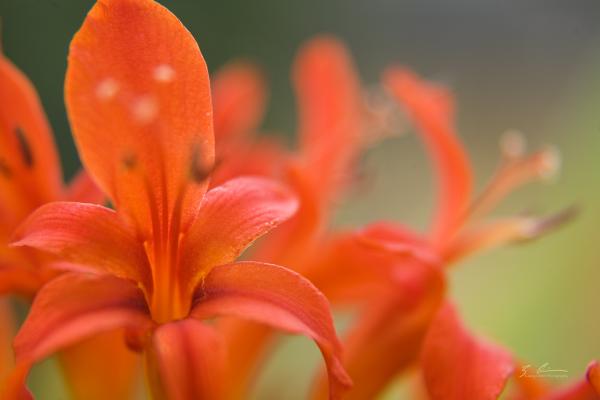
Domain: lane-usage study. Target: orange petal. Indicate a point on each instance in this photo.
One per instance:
(431, 108)
(112, 362)
(265, 157)
(387, 336)
(186, 360)
(456, 365)
(138, 99)
(231, 217)
(20, 279)
(29, 167)
(88, 235)
(71, 308)
(84, 190)
(593, 376)
(7, 330)
(277, 297)
(239, 98)
(331, 114)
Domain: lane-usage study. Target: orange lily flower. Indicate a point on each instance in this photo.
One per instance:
(30, 176)
(138, 99)
(332, 132)
(400, 273)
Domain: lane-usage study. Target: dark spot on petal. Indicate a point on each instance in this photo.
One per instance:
(129, 161)
(199, 171)
(5, 169)
(24, 147)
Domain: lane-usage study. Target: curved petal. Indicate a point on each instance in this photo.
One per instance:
(239, 102)
(331, 114)
(30, 172)
(186, 360)
(84, 190)
(277, 297)
(431, 109)
(458, 366)
(231, 217)
(138, 98)
(86, 234)
(71, 308)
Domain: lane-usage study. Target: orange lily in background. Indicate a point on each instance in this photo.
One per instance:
(400, 274)
(30, 176)
(334, 127)
(138, 99)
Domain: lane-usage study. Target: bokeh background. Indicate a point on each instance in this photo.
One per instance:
(532, 65)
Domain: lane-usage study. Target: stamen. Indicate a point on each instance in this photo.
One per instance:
(514, 172)
(164, 73)
(513, 144)
(536, 227)
(493, 234)
(25, 148)
(384, 116)
(107, 89)
(549, 163)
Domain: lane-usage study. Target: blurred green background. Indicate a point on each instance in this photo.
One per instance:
(531, 65)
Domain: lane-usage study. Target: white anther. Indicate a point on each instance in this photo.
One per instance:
(550, 163)
(512, 144)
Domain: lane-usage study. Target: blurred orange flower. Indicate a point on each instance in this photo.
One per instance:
(138, 98)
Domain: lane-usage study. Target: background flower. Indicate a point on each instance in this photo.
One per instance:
(531, 66)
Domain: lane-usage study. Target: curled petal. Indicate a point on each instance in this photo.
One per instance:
(71, 308)
(140, 110)
(186, 360)
(231, 217)
(277, 297)
(86, 234)
(458, 366)
(431, 109)
(239, 97)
